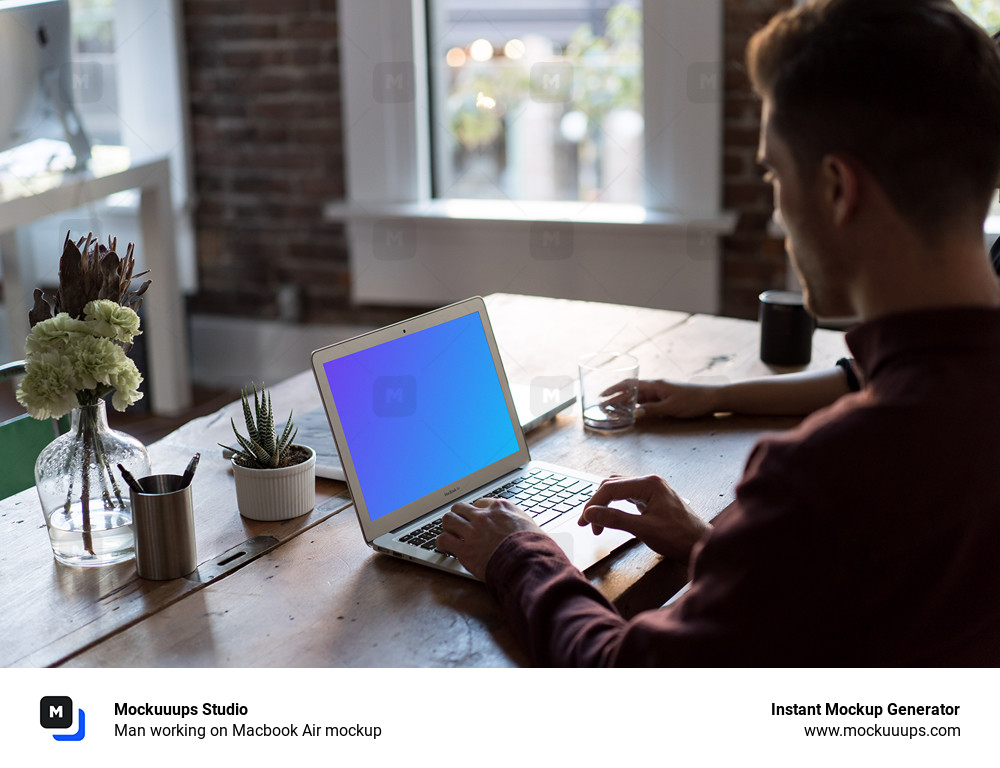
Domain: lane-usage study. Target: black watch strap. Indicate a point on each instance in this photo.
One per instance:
(852, 378)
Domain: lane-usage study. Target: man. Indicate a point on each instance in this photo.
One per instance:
(868, 535)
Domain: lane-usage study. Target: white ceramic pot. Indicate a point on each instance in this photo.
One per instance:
(276, 494)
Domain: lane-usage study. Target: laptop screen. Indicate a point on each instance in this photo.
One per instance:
(421, 411)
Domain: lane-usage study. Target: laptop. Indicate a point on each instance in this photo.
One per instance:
(423, 417)
(534, 408)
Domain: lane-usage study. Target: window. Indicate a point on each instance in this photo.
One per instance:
(537, 103)
(413, 240)
(985, 12)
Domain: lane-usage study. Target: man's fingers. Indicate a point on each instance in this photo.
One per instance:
(465, 510)
(455, 529)
(583, 521)
(453, 522)
(599, 518)
(627, 386)
(637, 490)
(447, 542)
(653, 409)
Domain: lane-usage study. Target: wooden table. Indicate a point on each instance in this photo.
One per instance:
(309, 592)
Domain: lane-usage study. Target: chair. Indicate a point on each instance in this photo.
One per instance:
(21, 440)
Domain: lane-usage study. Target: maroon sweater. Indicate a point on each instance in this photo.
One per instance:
(867, 536)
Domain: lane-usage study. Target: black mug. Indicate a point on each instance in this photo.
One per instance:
(786, 329)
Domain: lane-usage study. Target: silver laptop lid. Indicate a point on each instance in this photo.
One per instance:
(421, 412)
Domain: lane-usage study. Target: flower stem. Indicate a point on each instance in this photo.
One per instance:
(87, 425)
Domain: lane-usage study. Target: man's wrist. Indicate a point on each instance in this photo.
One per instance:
(503, 563)
(718, 398)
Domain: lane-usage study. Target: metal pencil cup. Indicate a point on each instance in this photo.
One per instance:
(163, 521)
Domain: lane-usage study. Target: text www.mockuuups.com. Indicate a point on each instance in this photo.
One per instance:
(870, 714)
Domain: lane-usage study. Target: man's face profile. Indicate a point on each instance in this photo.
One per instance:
(799, 211)
(782, 174)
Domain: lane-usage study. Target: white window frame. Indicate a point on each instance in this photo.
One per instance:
(664, 253)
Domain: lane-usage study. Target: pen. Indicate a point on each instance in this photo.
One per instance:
(132, 482)
(189, 472)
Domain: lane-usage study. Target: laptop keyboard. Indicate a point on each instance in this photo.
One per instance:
(546, 496)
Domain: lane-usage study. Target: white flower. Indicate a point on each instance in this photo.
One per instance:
(53, 334)
(94, 361)
(47, 389)
(112, 321)
(126, 382)
(70, 361)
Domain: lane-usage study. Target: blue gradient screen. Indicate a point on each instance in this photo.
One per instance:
(421, 412)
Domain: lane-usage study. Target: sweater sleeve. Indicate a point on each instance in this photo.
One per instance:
(751, 578)
(554, 611)
(564, 621)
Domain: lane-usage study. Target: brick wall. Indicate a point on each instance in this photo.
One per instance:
(751, 260)
(265, 114)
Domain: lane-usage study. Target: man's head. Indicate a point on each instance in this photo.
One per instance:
(906, 91)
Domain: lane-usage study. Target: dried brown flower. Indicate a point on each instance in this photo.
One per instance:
(88, 271)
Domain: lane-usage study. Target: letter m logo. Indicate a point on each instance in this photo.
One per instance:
(56, 712)
(394, 396)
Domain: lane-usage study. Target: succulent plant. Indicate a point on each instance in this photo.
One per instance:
(261, 448)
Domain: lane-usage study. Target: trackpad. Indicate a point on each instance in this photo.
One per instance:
(581, 545)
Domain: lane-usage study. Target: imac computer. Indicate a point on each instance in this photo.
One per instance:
(36, 59)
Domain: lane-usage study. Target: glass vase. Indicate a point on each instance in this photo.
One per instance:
(84, 498)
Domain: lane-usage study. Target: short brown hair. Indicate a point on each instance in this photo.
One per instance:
(909, 88)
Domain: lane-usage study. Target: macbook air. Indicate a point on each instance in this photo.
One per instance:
(534, 408)
(423, 417)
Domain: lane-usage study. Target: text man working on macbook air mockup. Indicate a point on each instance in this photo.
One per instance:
(868, 535)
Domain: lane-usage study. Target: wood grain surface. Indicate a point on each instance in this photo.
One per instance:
(309, 592)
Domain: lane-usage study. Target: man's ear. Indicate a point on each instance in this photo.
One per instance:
(840, 187)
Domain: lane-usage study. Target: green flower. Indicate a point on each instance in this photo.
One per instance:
(126, 383)
(80, 354)
(54, 333)
(47, 390)
(94, 361)
(112, 321)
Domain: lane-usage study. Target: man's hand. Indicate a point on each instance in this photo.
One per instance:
(471, 532)
(664, 523)
(680, 401)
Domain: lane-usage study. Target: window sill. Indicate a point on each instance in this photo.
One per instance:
(441, 251)
(605, 215)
